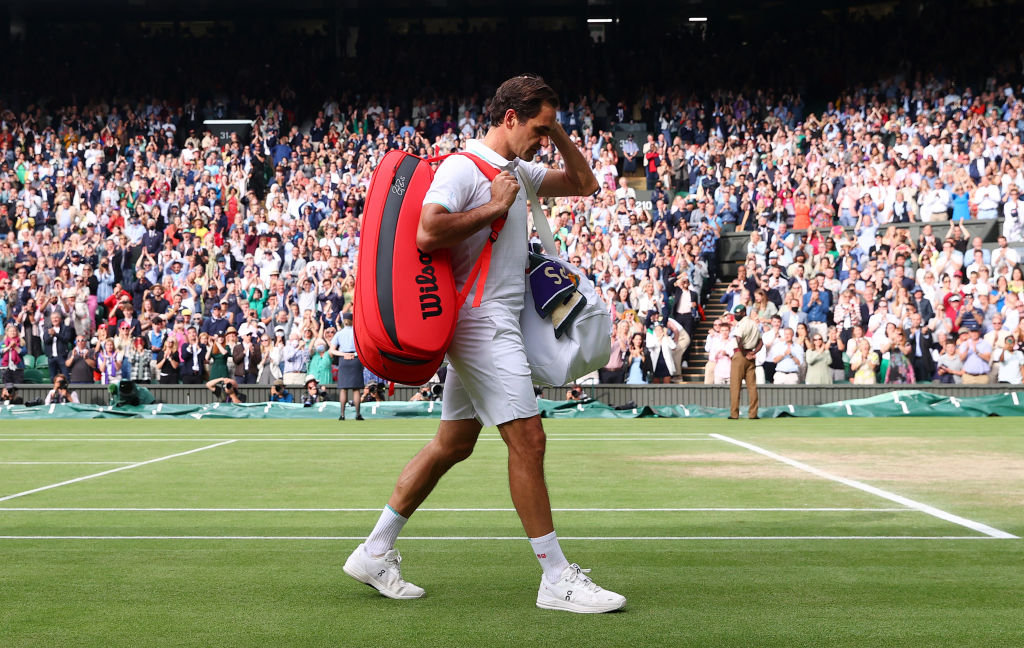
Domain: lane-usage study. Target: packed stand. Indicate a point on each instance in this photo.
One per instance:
(138, 245)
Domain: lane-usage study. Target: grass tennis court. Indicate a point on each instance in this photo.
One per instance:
(785, 532)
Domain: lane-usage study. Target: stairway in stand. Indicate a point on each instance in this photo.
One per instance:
(696, 357)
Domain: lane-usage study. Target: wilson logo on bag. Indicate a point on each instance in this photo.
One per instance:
(406, 305)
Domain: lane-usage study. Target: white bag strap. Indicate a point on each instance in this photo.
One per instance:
(539, 221)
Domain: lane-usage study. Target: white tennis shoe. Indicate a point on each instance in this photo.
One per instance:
(575, 592)
(383, 574)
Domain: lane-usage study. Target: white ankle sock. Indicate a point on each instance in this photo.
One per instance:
(550, 555)
(382, 538)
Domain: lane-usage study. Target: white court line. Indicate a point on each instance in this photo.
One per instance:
(455, 510)
(867, 488)
(65, 463)
(113, 470)
(488, 538)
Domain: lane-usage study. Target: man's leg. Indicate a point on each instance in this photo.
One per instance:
(375, 562)
(563, 586)
(453, 442)
(709, 372)
(750, 375)
(57, 368)
(735, 384)
(526, 442)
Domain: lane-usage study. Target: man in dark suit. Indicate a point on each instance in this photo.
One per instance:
(976, 168)
(923, 305)
(193, 359)
(921, 343)
(247, 359)
(57, 339)
(153, 239)
(683, 304)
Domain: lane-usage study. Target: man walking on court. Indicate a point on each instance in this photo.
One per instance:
(488, 381)
(748, 343)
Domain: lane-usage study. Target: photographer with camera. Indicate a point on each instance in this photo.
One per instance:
(428, 393)
(226, 390)
(60, 393)
(377, 392)
(278, 394)
(9, 395)
(315, 393)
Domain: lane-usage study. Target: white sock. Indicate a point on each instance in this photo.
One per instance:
(550, 555)
(382, 539)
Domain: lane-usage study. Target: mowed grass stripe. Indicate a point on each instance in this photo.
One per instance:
(111, 471)
(483, 524)
(867, 488)
(743, 578)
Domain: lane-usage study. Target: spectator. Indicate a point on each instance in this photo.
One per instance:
(975, 353)
(723, 348)
(168, 362)
(818, 359)
(638, 361)
(320, 362)
(950, 366)
(12, 364)
(57, 340)
(900, 369)
(615, 371)
(81, 362)
(1010, 359)
(194, 357)
(788, 357)
(270, 361)
(864, 363)
(836, 349)
(140, 358)
(247, 360)
(108, 363)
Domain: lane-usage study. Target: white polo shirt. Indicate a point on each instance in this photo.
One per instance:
(460, 186)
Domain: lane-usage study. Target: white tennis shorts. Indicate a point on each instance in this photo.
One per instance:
(488, 376)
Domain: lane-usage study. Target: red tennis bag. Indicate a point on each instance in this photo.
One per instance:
(406, 305)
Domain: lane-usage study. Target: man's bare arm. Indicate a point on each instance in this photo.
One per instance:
(577, 179)
(440, 228)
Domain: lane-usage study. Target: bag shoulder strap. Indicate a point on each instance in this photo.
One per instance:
(540, 223)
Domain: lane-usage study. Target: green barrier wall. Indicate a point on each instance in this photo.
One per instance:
(896, 403)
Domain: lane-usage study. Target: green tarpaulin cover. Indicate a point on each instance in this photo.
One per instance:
(896, 403)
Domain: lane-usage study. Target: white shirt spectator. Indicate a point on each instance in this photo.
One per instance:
(1013, 226)
(1009, 366)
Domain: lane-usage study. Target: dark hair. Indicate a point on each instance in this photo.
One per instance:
(525, 94)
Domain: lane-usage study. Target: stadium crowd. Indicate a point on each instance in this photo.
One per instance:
(135, 243)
